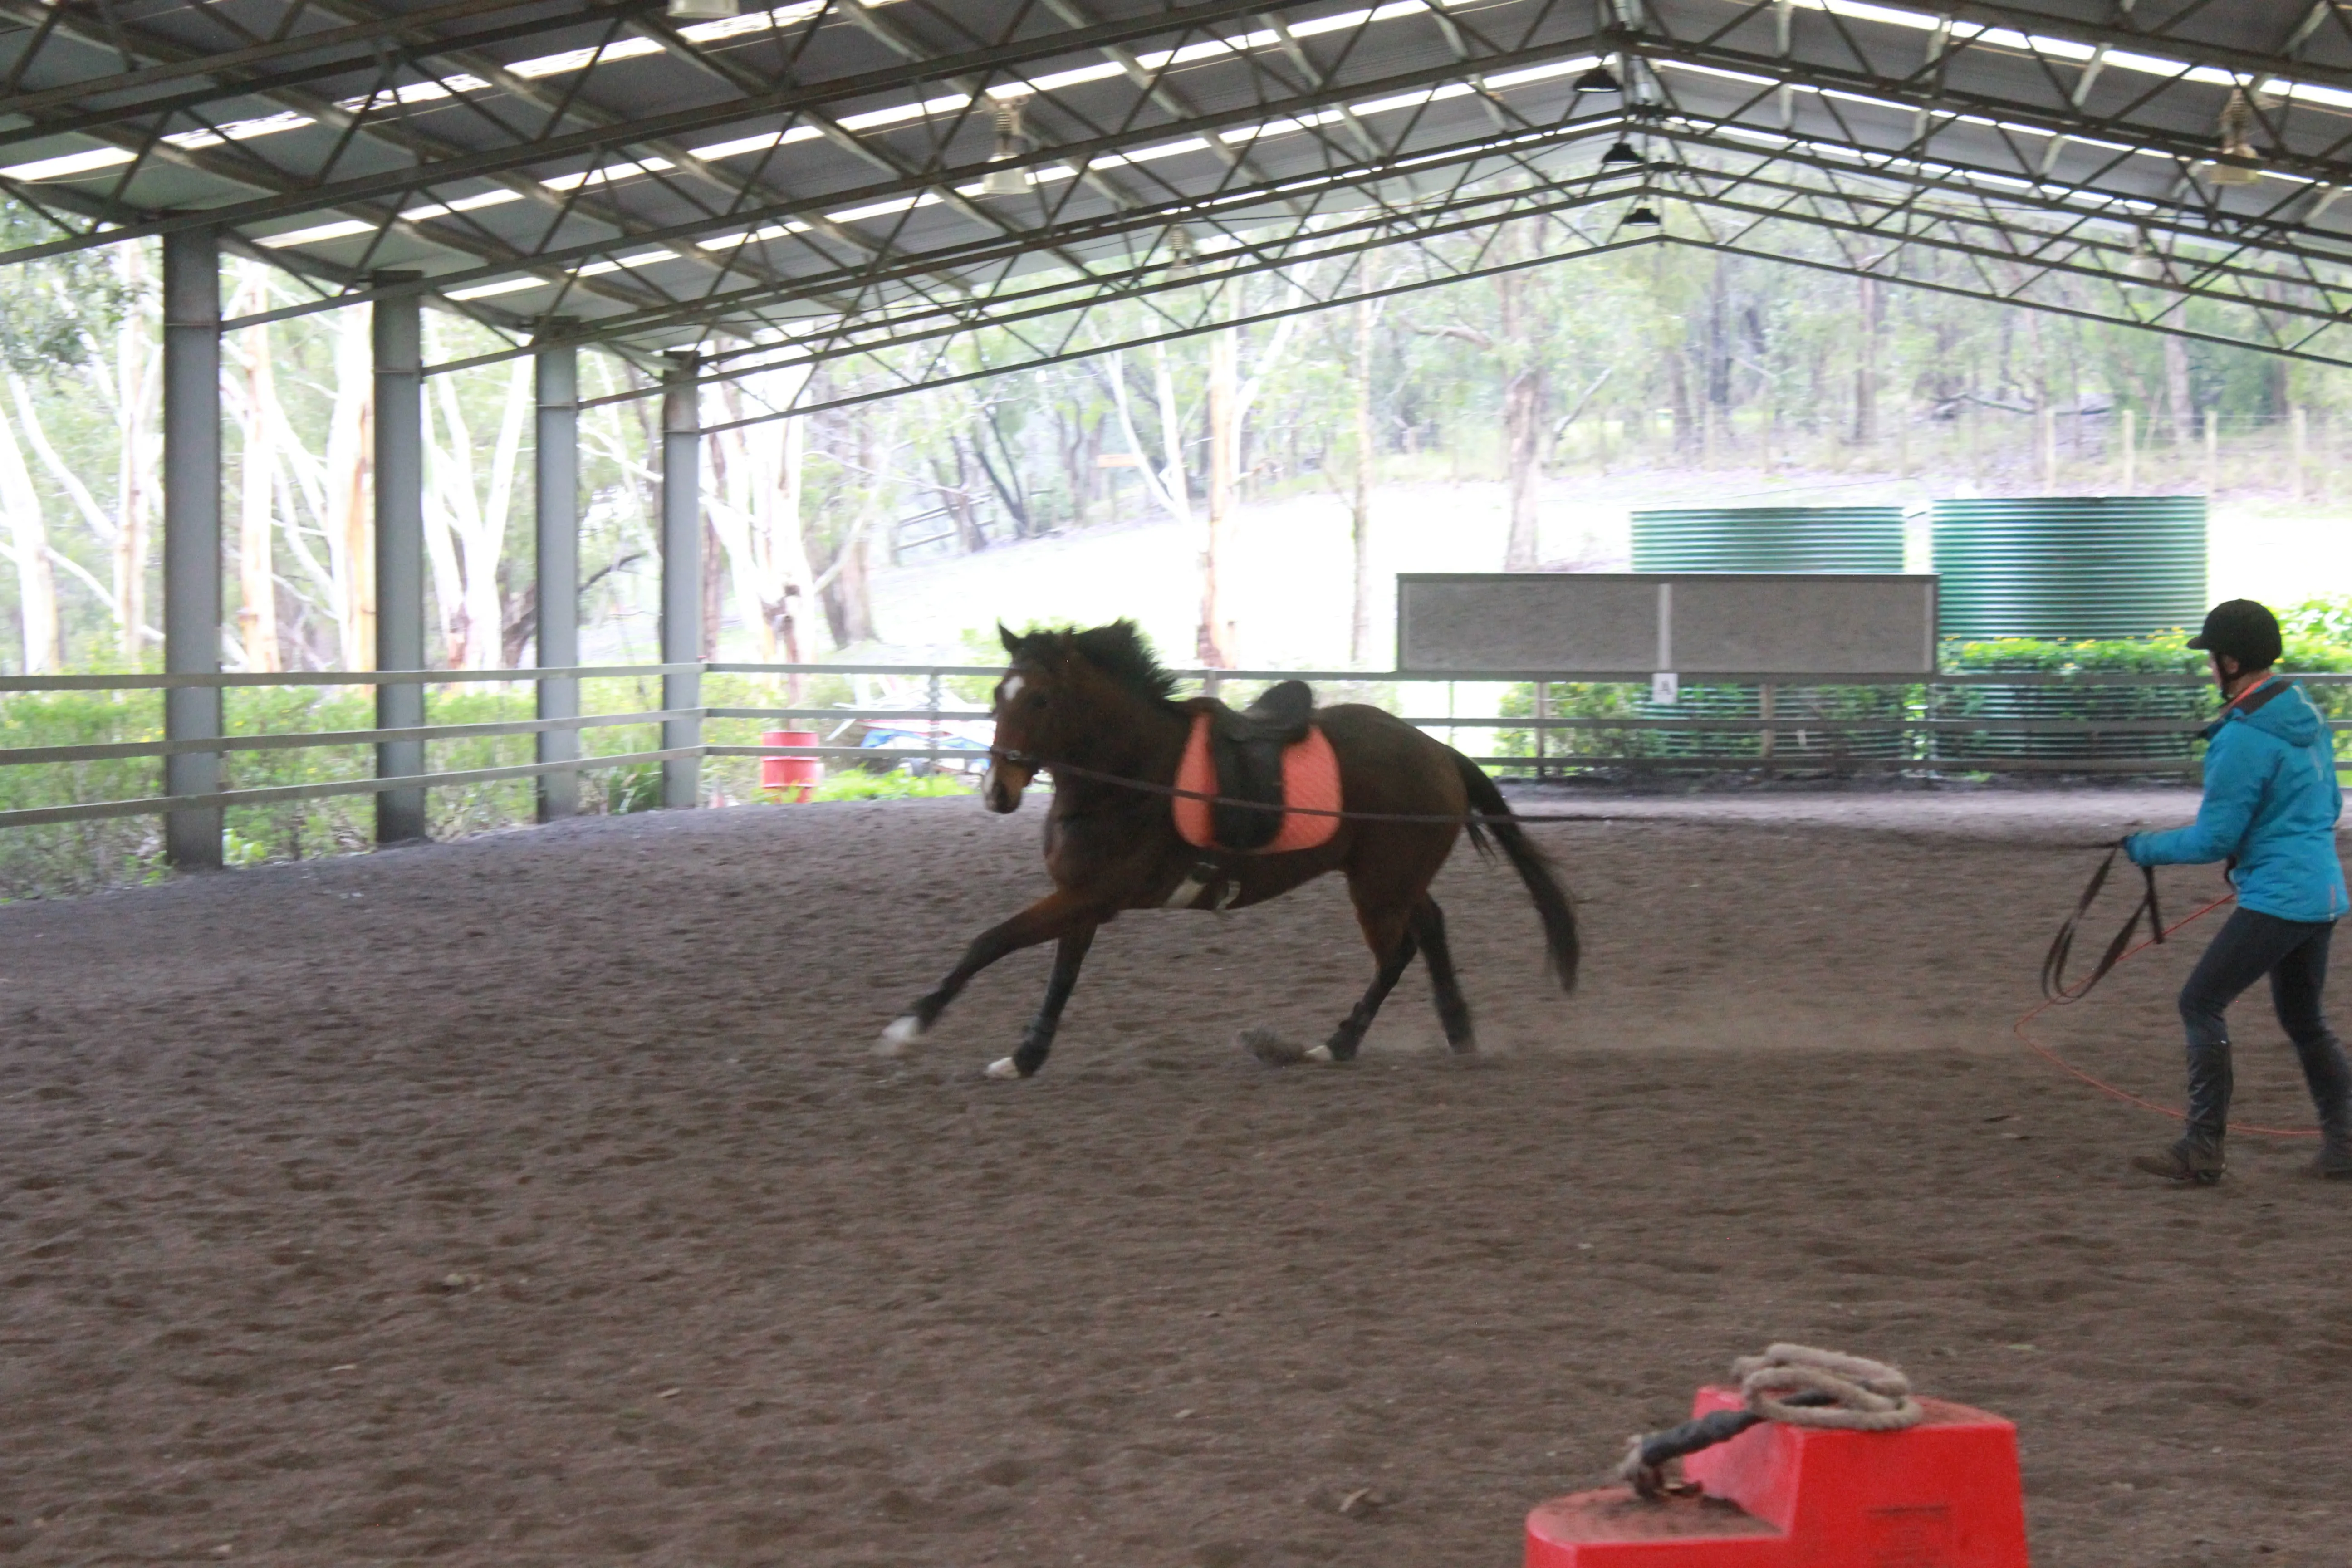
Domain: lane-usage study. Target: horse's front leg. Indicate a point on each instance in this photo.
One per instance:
(1039, 1037)
(1055, 915)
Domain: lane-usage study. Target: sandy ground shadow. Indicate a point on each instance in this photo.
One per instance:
(535, 1200)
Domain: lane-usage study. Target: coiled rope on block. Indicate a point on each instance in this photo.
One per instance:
(1796, 1384)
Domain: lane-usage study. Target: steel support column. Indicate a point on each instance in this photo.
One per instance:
(681, 584)
(399, 555)
(192, 534)
(559, 570)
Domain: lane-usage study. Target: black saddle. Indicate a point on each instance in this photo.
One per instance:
(1246, 747)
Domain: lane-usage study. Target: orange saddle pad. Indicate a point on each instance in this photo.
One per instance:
(1310, 780)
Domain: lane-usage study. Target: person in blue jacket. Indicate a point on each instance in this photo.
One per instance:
(2270, 810)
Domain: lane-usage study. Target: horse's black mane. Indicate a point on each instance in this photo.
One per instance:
(1119, 650)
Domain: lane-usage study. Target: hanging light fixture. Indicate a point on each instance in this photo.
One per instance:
(1009, 145)
(1620, 154)
(2237, 142)
(1643, 217)
(1599, 78)
(1181, 257)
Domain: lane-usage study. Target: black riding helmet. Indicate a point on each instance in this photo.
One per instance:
(2244, 631)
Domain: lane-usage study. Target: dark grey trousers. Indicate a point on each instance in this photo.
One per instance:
(2294, 953)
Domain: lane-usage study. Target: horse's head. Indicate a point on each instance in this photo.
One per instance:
(1026, 715)
(1066, 692)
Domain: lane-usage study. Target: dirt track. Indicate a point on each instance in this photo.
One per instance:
(535, 1200)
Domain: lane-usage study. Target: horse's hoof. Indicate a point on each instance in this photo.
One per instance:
(902, 1032)
(1004, 1066)
(1321, 1056)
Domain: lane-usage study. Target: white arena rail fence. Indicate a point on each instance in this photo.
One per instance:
(1932, 710)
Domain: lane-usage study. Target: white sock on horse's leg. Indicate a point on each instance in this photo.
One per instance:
(1002, 1067)
(902, 1032)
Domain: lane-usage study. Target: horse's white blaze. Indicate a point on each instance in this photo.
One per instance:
(1002, 1067)
(1012, 686)
(988, 780)
(903, 1032)
(1321, 1054)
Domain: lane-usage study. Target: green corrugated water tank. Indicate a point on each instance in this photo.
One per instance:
(1775, 539)
(1769, 539)
(2070, 566)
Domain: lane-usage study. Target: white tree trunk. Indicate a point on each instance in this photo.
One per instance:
(28, 535)
(1360, 530)
(1172, 503)
(349, 515)
(135, 382)
(1215, 639)
(257, 614)
(756, 511)
(446, 489)
(486, 545)
(1171, 439)
(729, 503)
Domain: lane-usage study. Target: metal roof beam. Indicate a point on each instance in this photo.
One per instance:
(1488, 211)
(1367, 228)
(2193, 51)
(237, 164)
(1210, 319)
(557, 106)
(788, 101)
(1045, 238)
(235, 64)
(2137, 214)
(1908, 93)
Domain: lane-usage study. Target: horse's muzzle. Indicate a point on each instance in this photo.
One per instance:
(1000, 786)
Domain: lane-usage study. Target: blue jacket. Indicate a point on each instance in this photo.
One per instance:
(2270, 807)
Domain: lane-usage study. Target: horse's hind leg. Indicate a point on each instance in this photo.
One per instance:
(1428, 927)
(1039, 1037)
(1390, 936)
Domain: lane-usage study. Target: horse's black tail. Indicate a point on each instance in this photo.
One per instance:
(1535, 868)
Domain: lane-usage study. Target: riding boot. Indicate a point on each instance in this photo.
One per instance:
(2330, 1078)
(2196, 1155)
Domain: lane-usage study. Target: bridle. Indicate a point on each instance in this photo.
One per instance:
(2053, 963)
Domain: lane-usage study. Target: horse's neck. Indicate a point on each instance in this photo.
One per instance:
(1133, 738)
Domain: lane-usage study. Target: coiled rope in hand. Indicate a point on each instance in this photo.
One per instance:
(2054, 988)
(1822, 1388)
(2057, 992)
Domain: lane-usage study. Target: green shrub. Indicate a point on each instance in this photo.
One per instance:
(631, 788)
(1578, 700)
(2322, 621)
(2165, 654)
(2319, 639)
(1815, 726)
(58, 858)
(855, 784)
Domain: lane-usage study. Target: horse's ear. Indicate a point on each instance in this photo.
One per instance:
(1011, 642)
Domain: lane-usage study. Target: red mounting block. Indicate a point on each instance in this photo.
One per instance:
(1943, 1494)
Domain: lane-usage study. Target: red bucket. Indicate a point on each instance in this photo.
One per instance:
(799, 776)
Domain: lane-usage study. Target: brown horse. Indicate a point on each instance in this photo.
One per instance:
(1097, 703)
